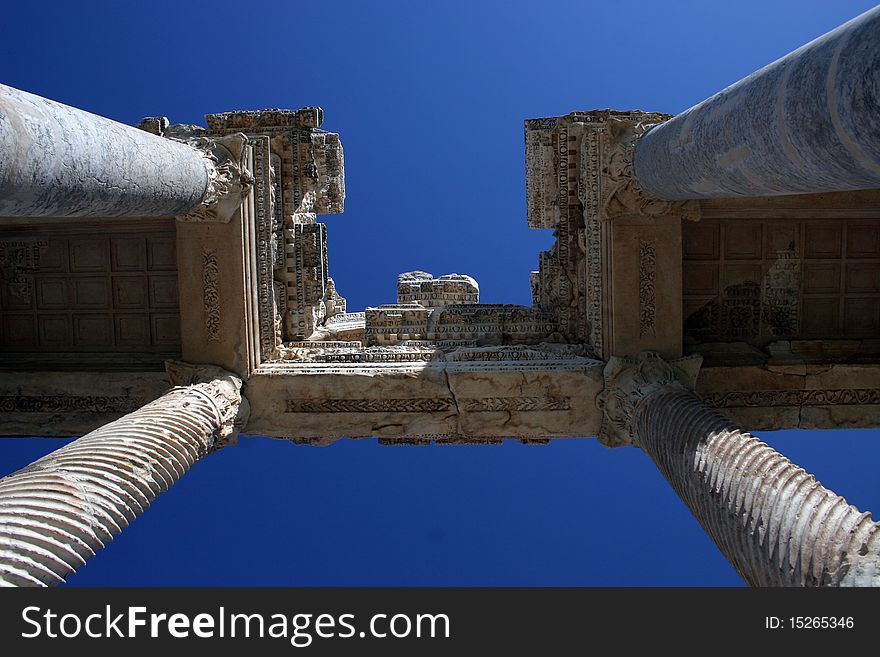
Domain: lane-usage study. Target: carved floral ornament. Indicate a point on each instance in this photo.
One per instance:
(229, 181)
(622, 194)
(630, 380)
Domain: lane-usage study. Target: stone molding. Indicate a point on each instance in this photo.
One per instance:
(628, 381)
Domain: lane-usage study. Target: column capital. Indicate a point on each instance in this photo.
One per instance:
(622, 194)
(224, 390)
(229, 180)
(630, 380)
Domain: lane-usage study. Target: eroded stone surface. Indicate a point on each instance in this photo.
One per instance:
(579, 183)
(450, 289)
(423, 394)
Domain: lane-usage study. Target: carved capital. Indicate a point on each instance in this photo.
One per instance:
(224, 390)
(621, 192)
(229, 181)
(630, 380)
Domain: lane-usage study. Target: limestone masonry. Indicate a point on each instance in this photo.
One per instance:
(711, 271)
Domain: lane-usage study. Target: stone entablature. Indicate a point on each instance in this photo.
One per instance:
(579, 183)
(419, 393)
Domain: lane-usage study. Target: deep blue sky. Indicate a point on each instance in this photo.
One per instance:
(429, 100)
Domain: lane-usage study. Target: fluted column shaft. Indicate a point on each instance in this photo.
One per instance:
(772, 520)
(59, 161)
(56, 512)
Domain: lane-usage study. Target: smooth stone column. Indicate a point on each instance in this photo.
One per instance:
(809, 122)
(773, 521)
(58, 511)
(59, 161)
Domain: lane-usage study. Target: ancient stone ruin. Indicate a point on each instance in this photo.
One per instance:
(703, 281)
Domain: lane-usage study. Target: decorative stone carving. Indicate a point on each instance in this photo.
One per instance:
(229, 181)
(383, 405)
(769, 398)
(630, 380)
(493, 404)
(153, 124)
(306, 279)
(211, 294)
(270, 293)
(438, 312)
(19, 259)
(299, 173)
(312, 172)
(621, 192)
(647, 291)
(459, 325)
(221, 388)
(422, 288)
(68, 403)
(578, 178)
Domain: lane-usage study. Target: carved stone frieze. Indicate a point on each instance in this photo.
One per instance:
(647, 288)
(299, 173)
(69, 403)
(630, 380)
(211, 294)
(382, 405)
(768, 398)
(311, 174)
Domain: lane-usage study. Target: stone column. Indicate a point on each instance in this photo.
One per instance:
(59, 161)
(809, 122)
(772, 520)
(56, 512)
